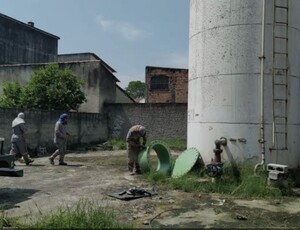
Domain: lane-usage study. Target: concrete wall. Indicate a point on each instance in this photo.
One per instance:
(177, 91)
(99, 87)
(76, 57)
(122, 97)
(23, 43)
(162, 121)
(99, 83)
(84, 128)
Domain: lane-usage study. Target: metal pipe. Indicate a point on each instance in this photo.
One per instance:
(262, 59)
(221, 142)
(2, 142)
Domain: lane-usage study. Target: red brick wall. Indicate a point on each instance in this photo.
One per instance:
(178, 85)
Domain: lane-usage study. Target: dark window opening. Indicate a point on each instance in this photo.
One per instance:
(159, 82)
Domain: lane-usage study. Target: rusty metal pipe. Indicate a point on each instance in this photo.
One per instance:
(221, 142)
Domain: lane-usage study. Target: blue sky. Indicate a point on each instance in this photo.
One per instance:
(127, 34)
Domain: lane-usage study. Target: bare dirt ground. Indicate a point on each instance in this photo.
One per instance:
(90, 176)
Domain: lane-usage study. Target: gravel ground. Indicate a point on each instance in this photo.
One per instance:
(44, 188)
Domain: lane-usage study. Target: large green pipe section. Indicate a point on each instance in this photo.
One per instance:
(163, 154)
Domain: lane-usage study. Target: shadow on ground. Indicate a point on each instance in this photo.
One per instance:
(9, 197)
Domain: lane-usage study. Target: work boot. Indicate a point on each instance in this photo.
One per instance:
(130, 167)
(27, 159)
(138, 172)
(63, 163)
(137, 169)
(51, 160)
(131, 172)
(29, 162)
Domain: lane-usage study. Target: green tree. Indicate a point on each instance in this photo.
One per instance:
(12, 92)
(52, 88)
(136, 89)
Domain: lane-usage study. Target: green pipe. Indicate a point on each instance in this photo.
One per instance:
(163, 154)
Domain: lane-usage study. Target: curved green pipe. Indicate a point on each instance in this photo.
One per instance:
(163, 154)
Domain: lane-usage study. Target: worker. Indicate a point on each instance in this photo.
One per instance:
(134, 146)
(18, 141)
(60, 139)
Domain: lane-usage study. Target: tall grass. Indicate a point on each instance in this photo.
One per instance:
(4, 221)
(84, 215)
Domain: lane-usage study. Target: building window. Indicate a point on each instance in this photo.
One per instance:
(159, 82)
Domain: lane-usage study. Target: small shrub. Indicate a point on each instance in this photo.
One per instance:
(118, 144)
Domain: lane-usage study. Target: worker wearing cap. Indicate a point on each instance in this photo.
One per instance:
(133, 139)
(60, 139)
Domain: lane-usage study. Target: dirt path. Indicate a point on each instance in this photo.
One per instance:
(92, 175)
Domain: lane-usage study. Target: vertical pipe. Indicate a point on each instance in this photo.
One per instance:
(262, 59)
(1, 150)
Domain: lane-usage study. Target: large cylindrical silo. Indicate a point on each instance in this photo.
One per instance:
(244, 79)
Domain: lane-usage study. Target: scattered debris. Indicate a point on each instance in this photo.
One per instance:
(296, 191)
(105, 146)
(132, 193)
(221, 202)
(240, 217)
(146, 222)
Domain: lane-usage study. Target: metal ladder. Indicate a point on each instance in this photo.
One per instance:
(280, 75)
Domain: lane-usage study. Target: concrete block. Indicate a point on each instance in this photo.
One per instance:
(278, 168)
(274, 175)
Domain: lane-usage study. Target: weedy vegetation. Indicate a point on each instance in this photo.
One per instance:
(238, 181)
(84, 215)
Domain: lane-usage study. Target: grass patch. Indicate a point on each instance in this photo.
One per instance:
(84, 215)
(156, 177)
(4, 221)
(237, 181)
(118, 144)
(174, 144)
(102, 160)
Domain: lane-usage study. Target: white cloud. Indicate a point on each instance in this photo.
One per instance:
(125, 29)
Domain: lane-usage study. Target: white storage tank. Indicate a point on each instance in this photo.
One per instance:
(244, 72)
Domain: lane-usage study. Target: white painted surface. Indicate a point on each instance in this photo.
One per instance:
(224, 79)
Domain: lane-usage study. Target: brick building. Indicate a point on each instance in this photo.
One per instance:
(166, 85)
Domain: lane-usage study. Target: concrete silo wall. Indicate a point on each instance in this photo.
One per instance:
(225, 96)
